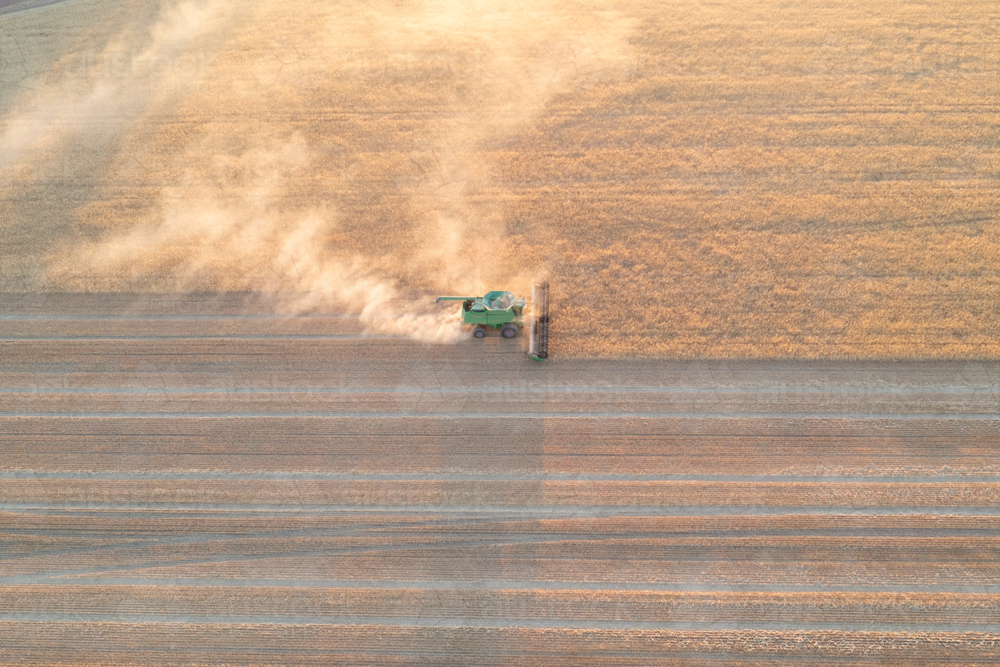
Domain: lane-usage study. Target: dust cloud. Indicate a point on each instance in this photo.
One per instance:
(76, 96)
(248, 199)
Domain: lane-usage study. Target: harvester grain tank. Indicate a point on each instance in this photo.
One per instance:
(501, 311)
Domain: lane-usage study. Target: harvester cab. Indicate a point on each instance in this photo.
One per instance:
(502, 311)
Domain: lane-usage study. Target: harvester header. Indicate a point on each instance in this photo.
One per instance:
(501, 310)
(538, 342)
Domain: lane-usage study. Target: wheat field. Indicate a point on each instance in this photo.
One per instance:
(768, 431)
(767, 179)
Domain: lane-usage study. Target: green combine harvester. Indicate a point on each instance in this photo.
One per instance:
(502, 311)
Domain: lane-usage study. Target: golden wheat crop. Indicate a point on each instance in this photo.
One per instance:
(746, 179)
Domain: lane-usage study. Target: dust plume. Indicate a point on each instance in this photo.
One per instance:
(84, 97)
(278, 197)
(253, 243)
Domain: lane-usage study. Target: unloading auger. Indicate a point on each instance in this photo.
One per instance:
(502, 311)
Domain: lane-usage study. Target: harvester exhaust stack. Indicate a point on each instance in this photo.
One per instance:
(538, 343)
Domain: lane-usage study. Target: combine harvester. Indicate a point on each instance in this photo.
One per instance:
(500, 310)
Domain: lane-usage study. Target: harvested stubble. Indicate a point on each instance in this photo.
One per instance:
(532, 546)
(294, 493)
(506, 445)
(735, 608)
(562, 402)
(136, 530)
(375, 644)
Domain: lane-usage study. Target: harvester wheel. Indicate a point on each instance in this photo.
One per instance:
(508, 331)
(479, 332)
